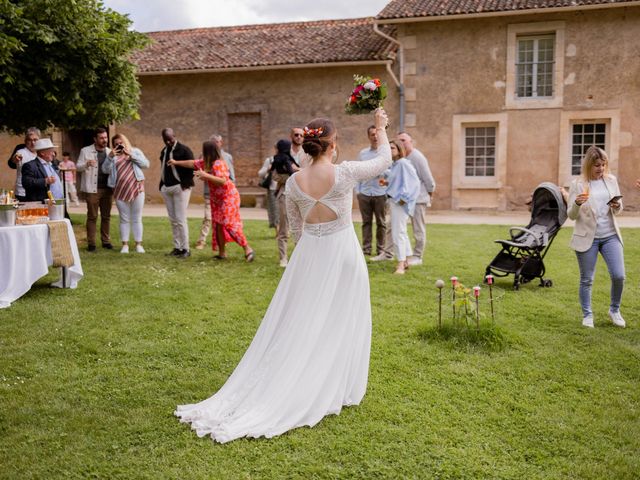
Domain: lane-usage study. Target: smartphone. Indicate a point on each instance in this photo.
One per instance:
(614, 199)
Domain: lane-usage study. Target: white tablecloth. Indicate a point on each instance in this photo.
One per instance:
(25, 256)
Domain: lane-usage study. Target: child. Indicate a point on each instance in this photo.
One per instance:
(69, 168)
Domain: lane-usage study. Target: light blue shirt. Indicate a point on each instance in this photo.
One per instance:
(404, 184)
(370, 188)
(55, 188)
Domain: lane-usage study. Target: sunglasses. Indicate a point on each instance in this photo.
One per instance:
(298, 135)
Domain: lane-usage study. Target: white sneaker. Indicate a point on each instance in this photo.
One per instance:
(139, 249)
(381, 258)
(616, 318)
(588, 321)
(413, 261)
(283, 263)
(124, 249)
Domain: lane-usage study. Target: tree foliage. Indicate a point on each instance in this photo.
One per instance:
(66, 63)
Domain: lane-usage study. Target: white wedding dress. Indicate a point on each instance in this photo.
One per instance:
(310, 355)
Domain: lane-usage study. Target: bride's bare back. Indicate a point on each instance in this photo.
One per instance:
(316, 181)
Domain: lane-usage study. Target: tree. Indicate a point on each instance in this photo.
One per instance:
(65, 63)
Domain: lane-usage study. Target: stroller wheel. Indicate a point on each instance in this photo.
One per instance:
(548, 283)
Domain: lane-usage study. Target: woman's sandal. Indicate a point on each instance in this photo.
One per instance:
(220, 257)
(250, 256)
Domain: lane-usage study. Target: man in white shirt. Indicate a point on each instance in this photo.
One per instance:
(427, 187)
(98, 194)
(297, 137)
(228, 158)
(21, 155)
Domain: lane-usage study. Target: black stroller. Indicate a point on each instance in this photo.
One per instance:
(523, 254)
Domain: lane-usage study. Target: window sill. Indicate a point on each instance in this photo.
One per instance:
(533, 103)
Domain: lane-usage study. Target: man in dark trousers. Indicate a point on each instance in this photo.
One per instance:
(175, 187)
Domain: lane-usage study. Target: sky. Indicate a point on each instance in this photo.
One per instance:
(155, 15)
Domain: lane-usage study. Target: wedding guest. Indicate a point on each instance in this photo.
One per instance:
(124, 166)
(594, 202)
(224, 200)
(175, 187)
(98, 194)
(68, 169)
(403, 189)
(302, 159)
(284, 165)
(226, 156)
(272, 202)
(372, 201)
(427, 187)
(205, 226)
(38, 176)
(23, 153)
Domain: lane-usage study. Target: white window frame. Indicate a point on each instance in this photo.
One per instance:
(590, 121)
(518, 31)
(611, 118)
(465, 146)
(534, 64)
(459, 178)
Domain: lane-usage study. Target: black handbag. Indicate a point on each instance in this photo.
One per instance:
(266, 181)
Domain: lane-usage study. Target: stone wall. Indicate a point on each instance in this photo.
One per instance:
(457, 70)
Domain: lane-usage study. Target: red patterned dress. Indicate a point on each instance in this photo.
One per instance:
(225, 205)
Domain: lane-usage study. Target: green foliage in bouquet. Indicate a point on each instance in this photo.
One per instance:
(367, 95)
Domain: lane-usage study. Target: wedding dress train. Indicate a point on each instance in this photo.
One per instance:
(310, 355)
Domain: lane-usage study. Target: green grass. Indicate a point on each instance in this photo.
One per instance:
(89, 378)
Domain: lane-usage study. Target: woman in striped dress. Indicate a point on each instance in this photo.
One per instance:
(124, 166)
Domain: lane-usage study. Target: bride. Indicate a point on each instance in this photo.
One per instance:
(310, 355)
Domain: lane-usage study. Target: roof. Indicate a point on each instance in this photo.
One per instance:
(220, 48)
(397, 9)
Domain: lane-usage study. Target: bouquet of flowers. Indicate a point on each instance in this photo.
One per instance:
(368, 94)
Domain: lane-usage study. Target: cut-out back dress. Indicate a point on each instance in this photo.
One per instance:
(310, 355)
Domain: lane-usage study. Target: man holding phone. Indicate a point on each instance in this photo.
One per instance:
(94, 184)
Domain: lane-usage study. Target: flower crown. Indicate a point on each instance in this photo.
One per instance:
(313, 132)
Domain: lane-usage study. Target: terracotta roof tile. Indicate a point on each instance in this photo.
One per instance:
(436, 8)
(264, 45)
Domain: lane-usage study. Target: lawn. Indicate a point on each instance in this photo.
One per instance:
(89, 378)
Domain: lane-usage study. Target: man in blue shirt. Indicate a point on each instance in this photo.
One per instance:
(372, 200)
(38, 176)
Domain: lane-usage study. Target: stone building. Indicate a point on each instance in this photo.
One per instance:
(499, 94)
(502, 95)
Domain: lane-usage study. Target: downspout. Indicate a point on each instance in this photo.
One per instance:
(399, 83)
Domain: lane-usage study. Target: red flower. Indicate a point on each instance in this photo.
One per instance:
(377, 82)
(353, 99)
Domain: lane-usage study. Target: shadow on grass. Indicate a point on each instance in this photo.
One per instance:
(488, 338)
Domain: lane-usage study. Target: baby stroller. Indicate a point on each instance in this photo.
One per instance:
(524, 252)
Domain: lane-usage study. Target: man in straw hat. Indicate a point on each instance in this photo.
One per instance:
(38, 176)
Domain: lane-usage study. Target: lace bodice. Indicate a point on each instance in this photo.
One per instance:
(339, 198)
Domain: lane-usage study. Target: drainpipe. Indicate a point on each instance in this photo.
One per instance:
(399, 82)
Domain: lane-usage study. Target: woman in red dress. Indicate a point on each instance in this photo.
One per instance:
(224, 200)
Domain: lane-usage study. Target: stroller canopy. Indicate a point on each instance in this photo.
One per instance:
(548, 206)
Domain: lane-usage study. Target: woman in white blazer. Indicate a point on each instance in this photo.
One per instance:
(594, 202)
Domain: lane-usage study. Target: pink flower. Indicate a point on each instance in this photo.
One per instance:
(370, 85)
(358, 89)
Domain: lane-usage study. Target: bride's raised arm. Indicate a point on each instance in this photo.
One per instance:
(361, 171)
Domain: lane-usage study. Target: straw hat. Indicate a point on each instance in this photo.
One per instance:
(44, 144)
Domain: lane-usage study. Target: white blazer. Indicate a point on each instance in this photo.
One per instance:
(585, 215)
(89, 179)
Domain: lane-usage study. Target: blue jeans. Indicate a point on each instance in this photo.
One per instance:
(611, 250)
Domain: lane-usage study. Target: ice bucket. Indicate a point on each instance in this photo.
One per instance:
(56, 211)
(7, 216)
